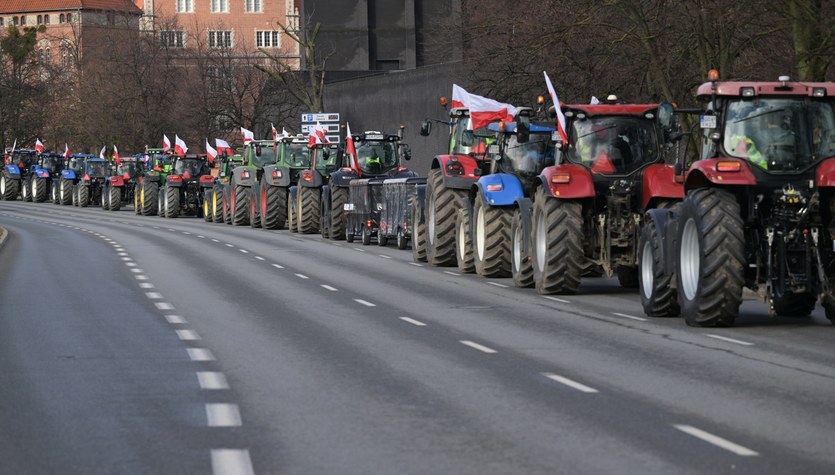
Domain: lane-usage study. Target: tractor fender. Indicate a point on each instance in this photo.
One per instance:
(458, 171)
(311, 179)
(151, 178)
(13, 171)
(115, 180)
(276, 175)
(704, 172)
(500, 189)
(573, 181)
(41, 173)
(526, 213)
(174, 180)
(666, 226)
(206, 181)
(659, 182)
(68, 174)
(244, 175)
(343, 177)
(825, 173)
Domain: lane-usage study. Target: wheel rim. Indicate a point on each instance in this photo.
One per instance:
(647, 274)
(214, 204)
(3, 186)
(541, 236)
(480, 232)
(263, 201)
(462, 240)
(690, 259)
(517, 248)
(430, 225)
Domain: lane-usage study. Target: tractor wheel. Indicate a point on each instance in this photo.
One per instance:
(148, 199)
(402, 242)
(521, 267)
(75, 195)
(339, 196)
(382, 239)
(54, 195)
(115, 198)
(254, 212)
(349, 234)
(217, 205)
(711, 259)
(628, 277)
(137, 206)
(9, 188)
(418, 233)
(441, 205)
(291, 215)
(105, 198)
(227, 214)
(83, 195)
(26, 190)
(65, 195)
(274, 206)
(463, 242)
(491, 239)
(238, 209)
(39, 190)
(310, 204)
(657, 298)
(172, 201)
(366, 236)
(557, 244)
(795, 304)
(323, 218)
(161, 203)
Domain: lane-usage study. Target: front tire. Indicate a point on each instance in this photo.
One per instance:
(491, 239)
(291, 215)
(657, 298)
(711, 260)
(254, 215)
(310, 204)
(9, 188)
(172, 201)
(463, 242)
(83, 196)
(521, 265)
(338, 197)
(148, 197)
(65, 194)
(115, 198)
(558, 244)
(39, 191)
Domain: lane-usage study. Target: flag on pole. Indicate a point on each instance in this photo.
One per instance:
(594, 100)
(248, 135)
(483, 110)
(66, 151)
(351, 149)
(103, 151)
(458, 96)
(223, 146)
(284, 133)
(166, 144)
(179, 146)
(557, 108)
(38, 146)
(211, 152)
(116, 156)
(275, 132)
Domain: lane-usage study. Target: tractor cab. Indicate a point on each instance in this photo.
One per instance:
(96, 168)
(327, 158)
(295, 152)
(190, 166)
(260, 153)
(51, 162)
(378, 153)
(128, 168)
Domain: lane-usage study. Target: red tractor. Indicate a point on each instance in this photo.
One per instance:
(587, 210)
(759, 211)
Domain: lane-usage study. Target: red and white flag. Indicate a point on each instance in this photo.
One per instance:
(314, 135)
(284, 133)
(223, 146)
(179, 146)
(211, 152)
(166, 144)
(458, 96)
(248, 135)
(116, 156)
(484, 110)
(103, 152)
(351, 149)
(275, 132)
(66, 151)
(38, 146)
(557, 108)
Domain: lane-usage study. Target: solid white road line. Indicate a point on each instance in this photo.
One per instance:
(716, 440)
(730, 340)
(570, 383)
(164, 306)
(187, 335)
(413, 321)
(364, 302)
(175, 319)
(200, 354)
(328, 287)
(555, 299)
(153, 295)
(302, 276)
(478, 347)
(623, 315)
(231, 462)
(212, 380)
(498, 284)
(223, 415)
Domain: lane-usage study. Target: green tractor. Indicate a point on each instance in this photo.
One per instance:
(257, 155)
(271, 205)
(214, 204)
(307, 194)
(146, 195)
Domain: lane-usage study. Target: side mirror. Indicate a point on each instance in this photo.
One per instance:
(523, 129)
(407, 152)
(426, 128)
(257, 150)
(665, 115)
(467, 138)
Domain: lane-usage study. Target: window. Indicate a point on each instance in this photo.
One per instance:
(266, 39)
(253, 6)
(171, 39)
(1, 21)
(48, 56)
(69, 17)
(40, 19)
(46, 19)
(220, 39)
(14, 20)
(220, 80)
(220, 6)
(61, 18)
(40, 56)
(22, 20)
(185, 6)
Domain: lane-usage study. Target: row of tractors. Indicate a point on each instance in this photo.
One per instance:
(689, 206)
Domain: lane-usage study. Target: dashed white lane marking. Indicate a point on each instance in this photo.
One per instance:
(175, 319)
(413, 321)
(556, 299)
(384, 256)
(260, 258)
(278, 266)
(201, 237)
(136, 270)
(153, 295)
(328, 287)
(358, 249)
(631, 317)
(212, 380)
(122, 254)
(415, 264)
(186, 233)
(716, 440)
(172, 230)
(215, 240)
(130, 264)
(451, 273)
(146, 285)
(302, 276)
(200, 354)
(730, 340)
(570, 383)
(140, 277)
(187, 335)
(244, 251)
(223, 415)
(229, 245)
(231, 462)
(126, 259)
(498, 284)
(478, 347)
(364, 302)
(164, 306)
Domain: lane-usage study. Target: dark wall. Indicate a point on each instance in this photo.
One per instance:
(386, 101)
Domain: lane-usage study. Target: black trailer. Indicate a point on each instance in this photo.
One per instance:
(396, 215)
(362, 211)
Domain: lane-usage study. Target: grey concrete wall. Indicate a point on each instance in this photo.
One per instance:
(385, 102)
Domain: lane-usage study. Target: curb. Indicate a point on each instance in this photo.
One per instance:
(3, 235)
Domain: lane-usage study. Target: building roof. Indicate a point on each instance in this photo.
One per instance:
(28, 6)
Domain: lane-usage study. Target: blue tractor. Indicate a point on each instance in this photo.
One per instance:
(38, 185)
(73, 169)
(15, 170)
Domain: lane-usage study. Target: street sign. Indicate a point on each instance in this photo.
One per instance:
(322, 117)
(328, 120)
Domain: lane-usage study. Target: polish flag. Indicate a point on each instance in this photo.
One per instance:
(560, 116)
(458, 96)
(211, 152)
(103, 151)
(248, 135)
(223, 146)
(316, 134)
(38, 146)
(275, 132)
(116, 156)
(66, 151)
(179, 146)
(483, 110)
(351, 150)
(166, 144)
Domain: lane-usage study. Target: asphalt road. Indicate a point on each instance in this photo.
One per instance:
(136, 344)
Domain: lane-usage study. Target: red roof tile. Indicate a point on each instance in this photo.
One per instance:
(27, 6)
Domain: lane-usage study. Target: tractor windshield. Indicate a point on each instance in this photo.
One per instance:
(192, 166)
(376, 156)
(465, 141)
(529, 158)
(129, 168)
(326, 158)
(263, 155)
(297, 155)
(614, 145)
(51, 163)
(780, 134)
(97, 169)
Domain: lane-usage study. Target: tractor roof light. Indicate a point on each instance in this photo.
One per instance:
(728, 166)
(540, 100)
(443, 101)
(713, 75)
(819, 92)
(747, 91)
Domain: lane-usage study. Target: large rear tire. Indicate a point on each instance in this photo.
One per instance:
(310, 204)
(441, 206)
(711, 260)
(172, 201)
(521, 265)
(418, 233)
(115, 198)
(338, 197)
(557, 244)
(463, 242)
(207, 210)
(137, 206)
(657, 298)
(83, 195)
(216, 205)
(148, 198)
(274, 206)
(9, 188)
(65, 194)
(291, 215)
(238, 209)
(39, 190)
(26, 190)
(54, 194)
(491, 239)
(254, 211)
